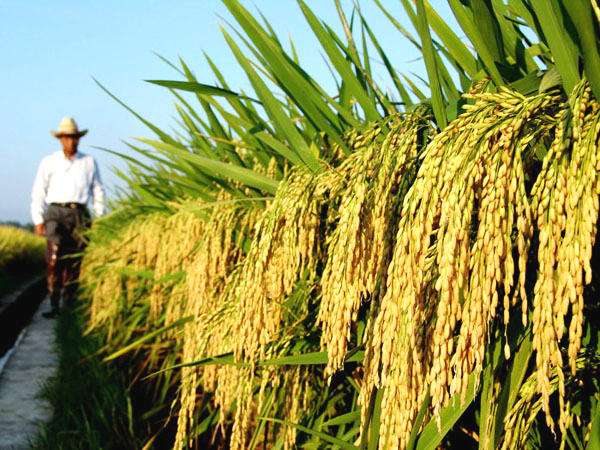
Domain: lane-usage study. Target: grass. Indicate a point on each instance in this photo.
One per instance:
(92, 406)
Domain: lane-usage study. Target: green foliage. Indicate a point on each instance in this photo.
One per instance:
(93, 408)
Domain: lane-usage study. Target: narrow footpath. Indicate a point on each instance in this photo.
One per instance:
(23, 372)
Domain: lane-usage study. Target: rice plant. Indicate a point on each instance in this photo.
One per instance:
(20, 249)
(365, 268)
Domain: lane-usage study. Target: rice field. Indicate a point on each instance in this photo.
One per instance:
(372, 268)
(19, 248)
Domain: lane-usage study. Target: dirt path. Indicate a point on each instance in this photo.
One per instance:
(30, 363)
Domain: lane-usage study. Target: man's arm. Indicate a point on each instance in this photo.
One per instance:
(97, 193)
(38, 197)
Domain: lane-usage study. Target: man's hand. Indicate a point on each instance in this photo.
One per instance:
(40, 229)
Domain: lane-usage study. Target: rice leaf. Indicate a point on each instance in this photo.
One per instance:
(406, 100)
(564, 50)
(437, 99)
(418, 422)
(594, 442)
(282, 122)
(307, 95)
(431, 436)
(467, 23)
(452, 43)
(580, 12)
(137, 343)
(488, 28)
(341, 64)
(319, 434)
(200, 88)
(350, 417)
(375, 421)
(510, 387)
(219, 169)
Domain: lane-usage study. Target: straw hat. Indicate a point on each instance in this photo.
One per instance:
(68, 127)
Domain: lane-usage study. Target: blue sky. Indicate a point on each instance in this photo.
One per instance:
(51, 50)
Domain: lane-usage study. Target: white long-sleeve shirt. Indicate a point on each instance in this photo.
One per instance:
(63, 180)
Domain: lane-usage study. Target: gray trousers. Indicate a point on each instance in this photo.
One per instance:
(65, 227)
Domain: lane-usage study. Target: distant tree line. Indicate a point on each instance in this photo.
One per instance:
(14, 223)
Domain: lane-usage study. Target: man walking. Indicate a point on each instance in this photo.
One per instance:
(64, 183)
